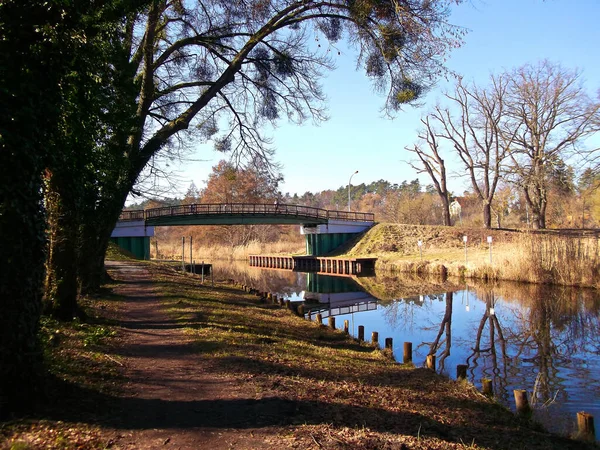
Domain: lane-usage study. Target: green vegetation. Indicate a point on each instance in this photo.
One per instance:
(327, 390)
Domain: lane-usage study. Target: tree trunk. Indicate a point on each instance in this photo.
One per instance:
(22, 246)
(61, 266)
(487, 215)
(94, 239)
(446, 209)
(96, 228)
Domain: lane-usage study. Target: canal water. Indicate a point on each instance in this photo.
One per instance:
(543, 339)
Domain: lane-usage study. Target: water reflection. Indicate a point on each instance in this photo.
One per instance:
(334, 296)
(539, 338)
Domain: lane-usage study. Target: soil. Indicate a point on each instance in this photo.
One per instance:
(172, 399)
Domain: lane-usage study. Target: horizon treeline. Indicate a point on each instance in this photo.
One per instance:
(575, 203)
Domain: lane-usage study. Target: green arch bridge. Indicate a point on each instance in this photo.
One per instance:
(324, 229)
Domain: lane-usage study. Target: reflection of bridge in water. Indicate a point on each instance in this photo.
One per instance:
(334, 296)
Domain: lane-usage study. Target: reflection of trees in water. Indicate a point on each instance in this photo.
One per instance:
(541, 343)
(487, 349)
(552, 335)
(444, 336)
(266, 280)
(401, 313)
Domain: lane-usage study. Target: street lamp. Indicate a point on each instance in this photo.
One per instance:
(350, 181)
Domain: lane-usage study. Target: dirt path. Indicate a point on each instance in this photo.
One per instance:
(171, 399)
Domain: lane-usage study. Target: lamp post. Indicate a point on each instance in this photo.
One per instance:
(350, 181)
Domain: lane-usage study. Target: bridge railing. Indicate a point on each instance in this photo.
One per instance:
(245, 208)
(136, 214)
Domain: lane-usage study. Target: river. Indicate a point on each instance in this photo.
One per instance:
(543, 339)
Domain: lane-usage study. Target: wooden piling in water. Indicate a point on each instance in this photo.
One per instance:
(389, 343)
(430, 361)
(361, 333)
(407, 358)
(346, 327)
(331, 321)
(487, 387)
(319, 318)
(585, 426)
(461, 372)
(521, 401)
(375, 338)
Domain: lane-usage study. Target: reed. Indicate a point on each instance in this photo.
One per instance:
(172, 250)
(528, 257)
(571, 261)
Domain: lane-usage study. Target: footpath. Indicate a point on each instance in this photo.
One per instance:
(214, 368)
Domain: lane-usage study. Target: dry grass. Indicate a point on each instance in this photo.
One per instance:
(336, 393)
(552, 257)
(239, 252)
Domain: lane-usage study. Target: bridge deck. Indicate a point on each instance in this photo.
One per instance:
(240, 213)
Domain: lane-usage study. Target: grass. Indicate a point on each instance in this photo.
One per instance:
(172, 250)
(79, 367)
(329, 391)
(550, 257)
(341, 394)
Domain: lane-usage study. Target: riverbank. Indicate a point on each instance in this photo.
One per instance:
(196, 366)
(564, 257)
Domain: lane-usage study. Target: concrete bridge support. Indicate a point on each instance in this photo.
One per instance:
(322, 239)
(133, 236)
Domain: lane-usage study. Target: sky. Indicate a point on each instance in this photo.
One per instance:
(502, 34)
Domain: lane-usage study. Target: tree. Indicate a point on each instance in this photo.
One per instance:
(474, 133)
(432, 162)
(197, 66)
(548, 115)
(228, 184)
(39, 47)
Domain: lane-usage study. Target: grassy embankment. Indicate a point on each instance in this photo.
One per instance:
(333, 392)
(554, 256)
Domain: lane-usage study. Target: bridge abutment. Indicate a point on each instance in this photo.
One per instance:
(322, 239)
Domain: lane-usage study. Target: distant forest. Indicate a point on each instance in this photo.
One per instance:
(572, 203)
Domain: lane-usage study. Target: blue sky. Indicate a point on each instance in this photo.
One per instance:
(503, 34)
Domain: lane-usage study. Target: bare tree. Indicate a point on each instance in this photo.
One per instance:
(222, 69)
(548, 115)
(431, 161)
(474, 132)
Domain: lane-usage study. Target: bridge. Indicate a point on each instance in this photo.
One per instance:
(324, 229)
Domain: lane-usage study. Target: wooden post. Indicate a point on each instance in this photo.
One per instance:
(212, 276)
(183, 254)
(361, 333)
(281, 301)
(319, 318)
(375, 338)
(288, 304)
(332, 322)
(202, 272)
(487, 387)
(521, 401)
(192, 270)
(461, 372)
(407, 353)
(301, 310)
(431, 362)
(585, 425)
(389, 343)
(346, 327)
